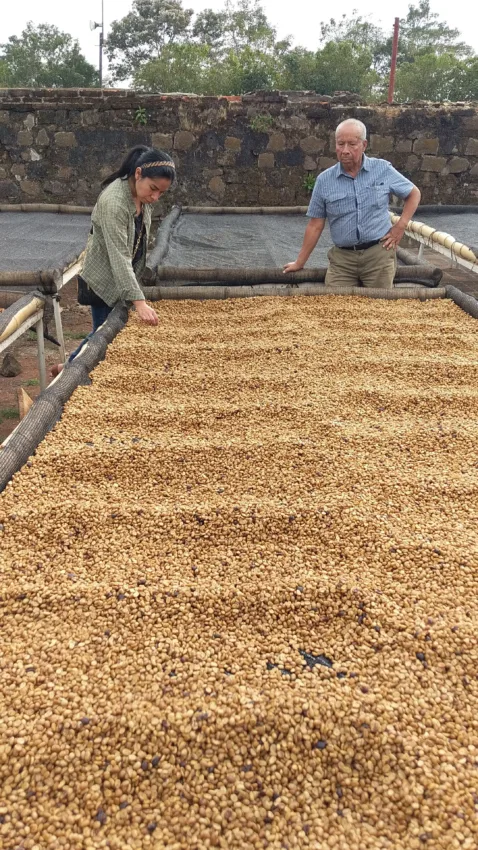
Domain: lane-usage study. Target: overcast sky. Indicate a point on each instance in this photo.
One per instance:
(299, 18)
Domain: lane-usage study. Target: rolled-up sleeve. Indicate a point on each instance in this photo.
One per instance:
(399, 184)
(115, 233)
(317, 202)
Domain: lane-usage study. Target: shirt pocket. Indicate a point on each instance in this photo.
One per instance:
(340, 203)
(377, 196)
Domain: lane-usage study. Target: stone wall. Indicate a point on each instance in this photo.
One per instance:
(57, 144)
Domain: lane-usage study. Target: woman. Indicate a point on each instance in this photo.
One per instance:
(116, 251)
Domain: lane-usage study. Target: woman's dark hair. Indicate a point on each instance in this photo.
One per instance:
(153, 163)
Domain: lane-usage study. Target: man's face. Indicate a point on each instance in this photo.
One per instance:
(349, 147)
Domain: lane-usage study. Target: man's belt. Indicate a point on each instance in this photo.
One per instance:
(361, 246)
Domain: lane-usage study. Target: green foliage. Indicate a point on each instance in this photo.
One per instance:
(432, 77)
(179, 68)
(343, 66)
(8, 413)
(161, 46)
(3, 73)
(338, 66)
(247, 26)
(248, 70)
(241, 24)
(73, 335)
(141, 116)
(359, 31)
(32, 382)
(262, 123)
(44, 57)
(308, 183)
(421, 31)
(194, 68)
(143, 33)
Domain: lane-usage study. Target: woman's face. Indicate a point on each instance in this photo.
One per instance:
(150, 189)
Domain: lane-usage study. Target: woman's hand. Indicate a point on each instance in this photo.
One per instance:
(145, 313)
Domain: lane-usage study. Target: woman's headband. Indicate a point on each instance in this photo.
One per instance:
(157, 164)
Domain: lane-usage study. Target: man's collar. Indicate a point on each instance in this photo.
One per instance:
(365, 165)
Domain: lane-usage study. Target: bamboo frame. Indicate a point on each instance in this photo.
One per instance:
(50, 278)
(200, 293)
(8, 298)
(50, 208)
(36, 319)
(240, 276)
(442, 242)
(48, 406)
(245, 210)
(22, 314)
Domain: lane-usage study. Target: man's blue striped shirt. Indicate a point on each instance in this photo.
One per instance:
(357, 208)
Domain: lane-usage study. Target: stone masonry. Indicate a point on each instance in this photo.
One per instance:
(56, 145)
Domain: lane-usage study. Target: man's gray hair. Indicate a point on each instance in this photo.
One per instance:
(359, 126)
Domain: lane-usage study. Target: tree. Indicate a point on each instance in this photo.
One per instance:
(142, 34)
(338, 66)
(468, 88)
(209, 28)
(247, 26)
(343, 66)
(439, 78)
(299, 70)
(3, 74)
(179, 68)
(195, 68)
(234, 51)
(241, 24)
(45, 57)
(248, 70)
(422, 32)
(358, 31)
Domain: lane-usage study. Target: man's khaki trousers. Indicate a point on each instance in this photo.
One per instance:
(374, 267)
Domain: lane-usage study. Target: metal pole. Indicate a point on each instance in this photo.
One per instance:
(393, 67)
(101, 43)
(59, 327)
(41, 352)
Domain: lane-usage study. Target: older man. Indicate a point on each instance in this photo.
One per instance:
(354, 196)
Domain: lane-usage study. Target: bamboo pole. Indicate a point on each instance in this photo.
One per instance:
(42, 277)
(200, 293)
(9, 298)
(245, 210)
(22, 314)
(238, 277)
(38, 278)
(46, 208)
(446, 240)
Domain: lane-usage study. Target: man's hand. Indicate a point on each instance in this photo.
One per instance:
(292, 267)
(394, 236)
(145, 313)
